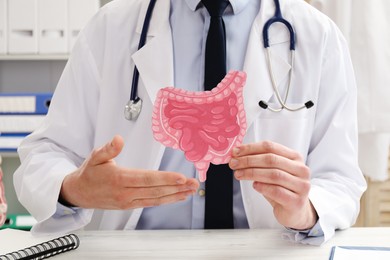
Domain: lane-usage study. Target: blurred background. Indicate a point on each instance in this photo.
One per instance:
(36, 37)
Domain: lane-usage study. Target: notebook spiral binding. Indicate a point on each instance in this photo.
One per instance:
(47, 249)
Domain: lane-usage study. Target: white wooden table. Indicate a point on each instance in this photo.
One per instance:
(220, 244)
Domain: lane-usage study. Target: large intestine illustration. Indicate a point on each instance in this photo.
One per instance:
(205, 125)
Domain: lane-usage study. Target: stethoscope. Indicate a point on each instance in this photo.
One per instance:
(134, 105)
(278, 18)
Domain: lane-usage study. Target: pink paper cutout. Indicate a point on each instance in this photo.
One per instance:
(206, 125)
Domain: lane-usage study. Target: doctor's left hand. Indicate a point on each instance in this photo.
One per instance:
(280, 174)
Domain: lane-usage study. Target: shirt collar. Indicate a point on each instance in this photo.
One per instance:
(237, 5)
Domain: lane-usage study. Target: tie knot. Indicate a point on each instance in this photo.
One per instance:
(215, 7)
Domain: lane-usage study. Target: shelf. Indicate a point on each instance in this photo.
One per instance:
(9, 154)
(34, 57)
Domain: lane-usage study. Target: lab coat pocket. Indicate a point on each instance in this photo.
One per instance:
(291, 129)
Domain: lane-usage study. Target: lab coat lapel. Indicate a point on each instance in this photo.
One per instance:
(258, 86)
(155, 60)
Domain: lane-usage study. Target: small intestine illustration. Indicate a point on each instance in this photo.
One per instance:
(205, 125)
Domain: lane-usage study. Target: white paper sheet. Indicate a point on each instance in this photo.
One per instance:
(13, 240)
(360, 253)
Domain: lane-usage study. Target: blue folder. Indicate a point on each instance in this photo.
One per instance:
(25, 103)
(9, 142)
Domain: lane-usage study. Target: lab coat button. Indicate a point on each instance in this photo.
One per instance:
(202, 192)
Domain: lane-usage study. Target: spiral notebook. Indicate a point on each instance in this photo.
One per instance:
(19, 244)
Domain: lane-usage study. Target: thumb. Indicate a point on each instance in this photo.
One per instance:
(108, 151)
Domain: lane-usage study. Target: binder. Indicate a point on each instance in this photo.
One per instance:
(79, 13)
(3, 27)
(20, 114)
(53, 26)
(23, 124)
(25, 103)
(22, 27)
(19, 221)
(10, 142)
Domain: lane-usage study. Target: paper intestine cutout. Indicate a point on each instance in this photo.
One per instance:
(205, 125)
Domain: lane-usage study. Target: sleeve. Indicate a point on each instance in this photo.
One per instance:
(337, 181)
(313, 236)
(48, 155)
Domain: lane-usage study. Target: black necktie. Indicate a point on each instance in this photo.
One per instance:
(219, 183)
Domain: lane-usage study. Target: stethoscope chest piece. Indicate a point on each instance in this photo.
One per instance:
(133, 109)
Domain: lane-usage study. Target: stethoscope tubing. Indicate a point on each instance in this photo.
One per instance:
(142, 41)
(278, 18)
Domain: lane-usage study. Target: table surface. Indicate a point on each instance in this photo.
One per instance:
(216, 244)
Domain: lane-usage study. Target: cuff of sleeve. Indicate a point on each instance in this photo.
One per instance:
(315, 231)
(64, 210)
(313, 236)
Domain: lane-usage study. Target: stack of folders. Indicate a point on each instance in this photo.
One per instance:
(20, 114)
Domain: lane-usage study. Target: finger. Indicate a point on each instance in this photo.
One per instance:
(279, 195)
(143, 203)
(275, 177)
(270, 161)
(159, 191)
(107, 152)
(265, 147)
(150, 178)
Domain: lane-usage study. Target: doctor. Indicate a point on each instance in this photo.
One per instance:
(89, 167)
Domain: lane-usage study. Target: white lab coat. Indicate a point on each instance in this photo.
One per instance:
(366, 25)
(87, 111)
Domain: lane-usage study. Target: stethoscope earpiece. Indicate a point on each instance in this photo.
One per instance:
(263, 104)
(309, 104)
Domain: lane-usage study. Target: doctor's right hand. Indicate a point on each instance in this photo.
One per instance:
(99, 183)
